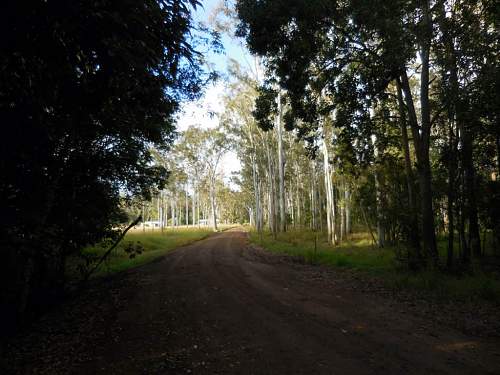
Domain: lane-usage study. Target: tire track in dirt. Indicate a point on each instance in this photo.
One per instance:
(222, 306)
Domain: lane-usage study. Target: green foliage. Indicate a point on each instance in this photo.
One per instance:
(265, 106)
(137, 248)
(344, 66)
(359, 254)
(87, 88)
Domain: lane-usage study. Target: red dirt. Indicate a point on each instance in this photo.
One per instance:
(221, 306)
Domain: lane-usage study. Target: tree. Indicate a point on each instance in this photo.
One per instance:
(343, 61)
(205, 148)
(323, 81)
(86, 89)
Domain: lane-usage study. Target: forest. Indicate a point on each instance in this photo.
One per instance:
(379, 117)
(366, 135)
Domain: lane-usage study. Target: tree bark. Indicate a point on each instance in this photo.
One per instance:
(413, 234)
(347, 195)
(271, 192)
(458, 112)
(193, 205)
(257, 214)
(452, 165)
(421, 140)
(330, 205)
(186, 219)
(212, 202)
(281, 167)
(379, 199)
(498, 149)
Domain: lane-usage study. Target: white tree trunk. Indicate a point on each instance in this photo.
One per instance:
(271, 192)
(257, 213)
(314, 209)
(212, 203)
(186, 219)
(281, 167)
(330, 204)
(342, 216)
(193, 206)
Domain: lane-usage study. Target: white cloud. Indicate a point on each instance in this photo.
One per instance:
(204, 113)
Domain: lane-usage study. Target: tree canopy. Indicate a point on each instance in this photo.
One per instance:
(87, 88)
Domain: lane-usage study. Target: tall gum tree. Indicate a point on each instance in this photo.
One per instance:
(318, 43)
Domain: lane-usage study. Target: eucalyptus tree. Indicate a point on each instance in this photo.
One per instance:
(238, 121)
(424, 64)
(349, 52)
(466, 56)
(188, 147)
(204, 148)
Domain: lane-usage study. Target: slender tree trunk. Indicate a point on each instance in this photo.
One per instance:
(257, 213)
(160, 215)
(451, 195)
(347, 195)
(342, 219)
(311, 206)
(498, 149)
(193, 205)
(421, 140)
(297, 198)
(198, 206)
(158, 208)
(320, 210)
(143, 218)
(474, 240)
(414, 235)
(281, 168)
(186, 219)
(379, 202)
(314, 210)
(428, 227)
(459, 108)
(272, 192)
(178, 211)
(330, 204)
(212, 202)
(174, 213)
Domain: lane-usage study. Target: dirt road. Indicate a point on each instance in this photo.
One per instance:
(220, 306)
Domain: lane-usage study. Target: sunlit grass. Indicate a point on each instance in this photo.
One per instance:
(153, 244)
(358, 253)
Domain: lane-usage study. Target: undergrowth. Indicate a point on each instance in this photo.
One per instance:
(146, 246)
(358, 253)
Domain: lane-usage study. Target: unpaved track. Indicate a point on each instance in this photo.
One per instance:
(220, 306)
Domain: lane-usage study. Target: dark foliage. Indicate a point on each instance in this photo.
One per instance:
(86, 89)
(347, 62)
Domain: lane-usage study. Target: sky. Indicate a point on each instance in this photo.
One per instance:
(197, 113)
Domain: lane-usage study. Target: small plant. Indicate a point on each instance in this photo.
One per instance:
(132, 249)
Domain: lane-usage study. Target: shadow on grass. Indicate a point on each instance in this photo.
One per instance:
(152, 245)
(359, 254)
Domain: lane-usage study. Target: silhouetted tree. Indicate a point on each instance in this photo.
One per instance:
(86, 88)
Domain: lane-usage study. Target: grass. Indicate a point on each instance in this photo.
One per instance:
(359, 254)
(153, 244)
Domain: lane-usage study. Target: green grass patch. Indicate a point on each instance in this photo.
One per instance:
(153, 244)
(358, 253)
